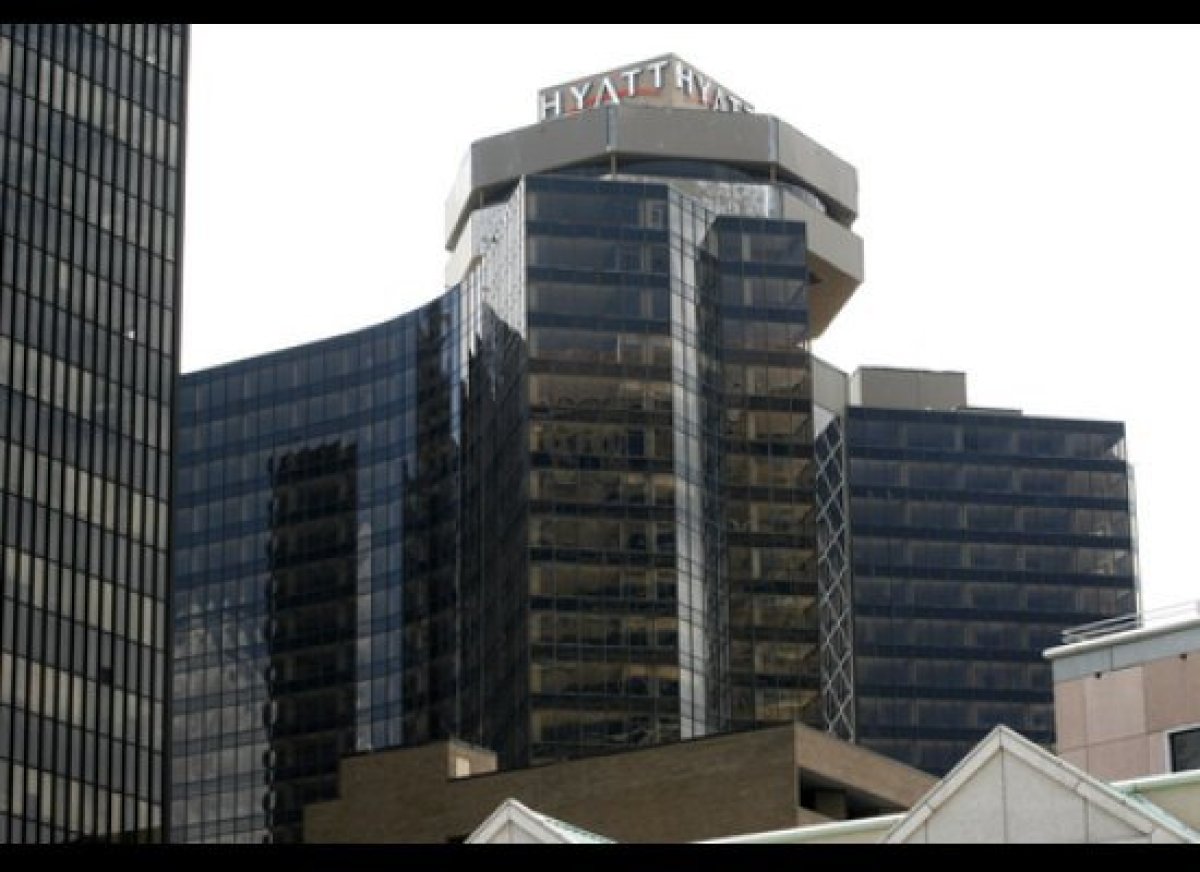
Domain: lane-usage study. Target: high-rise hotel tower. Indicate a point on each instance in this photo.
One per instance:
(567, 507)
(596, 495)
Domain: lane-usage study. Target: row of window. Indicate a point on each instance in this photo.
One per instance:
(914, 711)
(598, 205)
(80, 752)
(108, 555)
(1030, 520)
(69, 96)
(385, 431)
(612, 487)
(1010, 439)
(101, 181)
(159, 45)
(892, 667)
(62, 487)
(1037, 596)
(66, 807)
(602, 534)
(91, 448)
(623, 583)
(989, 479)
(53, 626)
(384, 366)
(99, 259)
(558, 726)
(84, 394)
(872, 551)
(79, 341)
(66, 701)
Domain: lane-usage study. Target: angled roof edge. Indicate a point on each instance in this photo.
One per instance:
(1135, 812)
(552, 830)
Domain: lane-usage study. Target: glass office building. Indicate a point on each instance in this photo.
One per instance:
(671, 552)
(978, 536)
(565, 508)
(91, 190)
(301, 519)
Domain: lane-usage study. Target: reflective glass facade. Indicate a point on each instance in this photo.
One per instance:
(976, 539)
(563, 509)
(292, 538)
(91, 170)
(671, 573)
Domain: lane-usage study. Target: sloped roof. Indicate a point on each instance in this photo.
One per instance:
(1007, 789)
(513, 822)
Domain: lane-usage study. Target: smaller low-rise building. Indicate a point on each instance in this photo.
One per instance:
(1006, 790)
(779, 777)
(1127, 694)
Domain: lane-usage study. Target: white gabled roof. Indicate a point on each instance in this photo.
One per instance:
(1007, 789)
(514, 822)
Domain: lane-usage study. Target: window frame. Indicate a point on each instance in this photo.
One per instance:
(1169, 749)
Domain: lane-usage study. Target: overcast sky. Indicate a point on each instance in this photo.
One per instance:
(1029, 199)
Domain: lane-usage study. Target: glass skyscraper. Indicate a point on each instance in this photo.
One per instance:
(599, 494)
(565, 508)
(978, 536)
(91, 200)
(290, 523)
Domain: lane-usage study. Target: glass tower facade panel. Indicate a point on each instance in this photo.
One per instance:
(765, 496)
(606, 620)
(91, 201)
(670, 571)
(977, 539)
(293, 543)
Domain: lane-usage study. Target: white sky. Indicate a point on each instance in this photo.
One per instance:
(1029, 198)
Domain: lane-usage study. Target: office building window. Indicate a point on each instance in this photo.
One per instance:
(1185, 749)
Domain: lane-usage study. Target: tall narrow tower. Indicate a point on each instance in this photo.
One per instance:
(91, 203)
(660, 256)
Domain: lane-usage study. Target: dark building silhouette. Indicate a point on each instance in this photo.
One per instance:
(979, 535)
(311, 608)
(91, 207)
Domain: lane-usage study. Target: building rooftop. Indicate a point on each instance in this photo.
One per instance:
(1154, 622)
(514, 822)
(1034, 783)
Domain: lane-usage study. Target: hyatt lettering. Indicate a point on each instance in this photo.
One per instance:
(655, 81)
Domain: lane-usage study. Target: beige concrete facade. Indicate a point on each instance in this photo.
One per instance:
(884, 387)
(1177, 794)
(1117, 698)
(686, 791)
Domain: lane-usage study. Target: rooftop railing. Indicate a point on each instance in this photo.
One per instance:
(1159, 617)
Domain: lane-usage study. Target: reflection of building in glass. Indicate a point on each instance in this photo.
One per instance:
(979, 535)
(91, 189)
(287, 632)
(313, 561)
